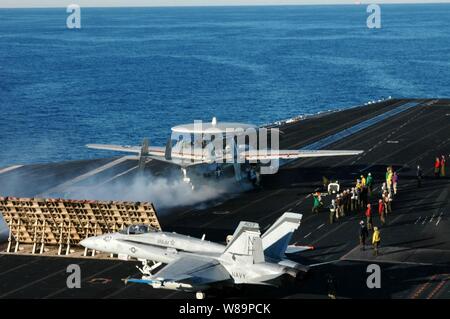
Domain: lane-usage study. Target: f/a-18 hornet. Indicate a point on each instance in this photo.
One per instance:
(195, 265)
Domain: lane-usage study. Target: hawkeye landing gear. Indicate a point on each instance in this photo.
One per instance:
(186, 179)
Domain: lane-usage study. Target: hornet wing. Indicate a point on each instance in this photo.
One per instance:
(188, 271)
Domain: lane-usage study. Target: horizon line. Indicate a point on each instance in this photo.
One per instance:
(231, 5)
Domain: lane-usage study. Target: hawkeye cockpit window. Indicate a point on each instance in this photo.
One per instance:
(137, 229)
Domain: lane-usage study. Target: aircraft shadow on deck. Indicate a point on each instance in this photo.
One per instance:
(349, 281)
(313, 176)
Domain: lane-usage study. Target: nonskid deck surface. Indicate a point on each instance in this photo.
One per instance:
(415, 254)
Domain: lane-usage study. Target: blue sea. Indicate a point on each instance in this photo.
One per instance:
(131, 73)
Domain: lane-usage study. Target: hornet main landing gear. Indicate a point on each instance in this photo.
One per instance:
(146, 269)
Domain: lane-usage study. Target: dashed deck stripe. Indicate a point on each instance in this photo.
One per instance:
(65, 185)
(10, 168)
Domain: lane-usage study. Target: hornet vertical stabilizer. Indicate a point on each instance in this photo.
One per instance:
(276, 239)
(246, 245)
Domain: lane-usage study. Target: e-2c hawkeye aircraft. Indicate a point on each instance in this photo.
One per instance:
(195, 265)
(218, 146)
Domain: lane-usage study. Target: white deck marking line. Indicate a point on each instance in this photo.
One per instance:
(35, 281)
(439, 219)
(344, 133)
(121, 289)
(18, 267)
(418, 219)
(328, 233)
(171, 294)
(299, 203)
(424, 220)
(10, 168)
(118, 175)
(123, 173)
(80, 178)
(250, 203)
(431, 219)
(388, 261)
(321, 226)
(307, 235)
(85, 280)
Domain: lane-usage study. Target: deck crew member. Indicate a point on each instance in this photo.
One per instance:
(332, 211)
(253, 178)
(383, 188)
(364, 196)
(218, 171)
(419, 176)
(353, 200)
(258, 177)
(394, 182)
(381, 211)
(358, 188)
(316, 204)
(369, 216)
(437, 167)
(348, 200)
(341, 205)
(338, 206)
(325, 183)
(358, 183)
(385, 202)
(358, 198)
(388, 202)
(363, 234)
(389, 178)
(344, 203)
(443, 166)
(376, 239)
(363, 181)
(369, 183)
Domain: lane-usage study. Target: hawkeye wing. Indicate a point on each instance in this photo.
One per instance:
(159, 153)
(261, 155)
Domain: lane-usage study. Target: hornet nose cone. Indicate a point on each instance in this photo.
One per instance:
(90, 243)
(4, 230)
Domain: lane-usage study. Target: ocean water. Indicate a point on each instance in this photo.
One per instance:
(131, 73)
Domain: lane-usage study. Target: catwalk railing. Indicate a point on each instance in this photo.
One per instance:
(39, 224)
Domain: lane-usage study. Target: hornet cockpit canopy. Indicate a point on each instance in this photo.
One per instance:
(138, 229)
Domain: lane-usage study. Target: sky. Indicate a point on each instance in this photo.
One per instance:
(132, 3)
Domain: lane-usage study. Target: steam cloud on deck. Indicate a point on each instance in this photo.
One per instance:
(164, 192)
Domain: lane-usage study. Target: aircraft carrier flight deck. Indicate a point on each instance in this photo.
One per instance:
(415, 248)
